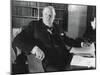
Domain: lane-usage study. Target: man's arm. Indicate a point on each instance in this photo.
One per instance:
(67, 40)
(71, 42)
(24, 40)
(26, 43)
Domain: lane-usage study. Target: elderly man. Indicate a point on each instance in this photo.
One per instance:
(43, 39)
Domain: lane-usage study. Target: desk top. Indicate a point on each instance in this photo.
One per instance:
(83, 56)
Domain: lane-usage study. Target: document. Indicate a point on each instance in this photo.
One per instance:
(78, 60)
(85, 51)
(84, 56)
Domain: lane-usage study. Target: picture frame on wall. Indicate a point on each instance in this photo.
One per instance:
(69, 44)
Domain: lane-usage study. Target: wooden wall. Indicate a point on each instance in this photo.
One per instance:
(77, 16)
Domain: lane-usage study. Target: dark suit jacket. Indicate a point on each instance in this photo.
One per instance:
(90, 34)
(53, 45)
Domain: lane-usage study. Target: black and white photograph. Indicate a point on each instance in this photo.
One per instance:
(52, 37)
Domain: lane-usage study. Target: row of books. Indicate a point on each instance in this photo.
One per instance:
(39, 4)
(32, 12)
(24, 3)
(23, 11)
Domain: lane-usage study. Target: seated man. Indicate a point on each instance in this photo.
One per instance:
(43, 39)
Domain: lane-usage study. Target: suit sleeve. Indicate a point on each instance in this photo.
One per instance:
(71, 42)
(68, 41)
(25, 40)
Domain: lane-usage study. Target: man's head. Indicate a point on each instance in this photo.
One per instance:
(48, 15)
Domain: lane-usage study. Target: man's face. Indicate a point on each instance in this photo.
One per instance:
(48, 16)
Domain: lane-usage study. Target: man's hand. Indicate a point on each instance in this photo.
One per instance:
(85, 44)
(38, 52)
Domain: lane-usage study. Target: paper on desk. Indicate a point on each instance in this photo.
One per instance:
(84, 51)
(83, 61)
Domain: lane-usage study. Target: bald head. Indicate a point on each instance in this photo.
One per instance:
(49, 9)
(48, 15)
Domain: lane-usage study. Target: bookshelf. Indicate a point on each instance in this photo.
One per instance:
(25, 11)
